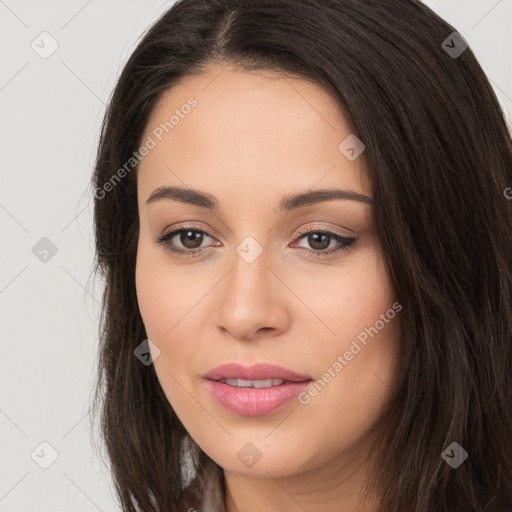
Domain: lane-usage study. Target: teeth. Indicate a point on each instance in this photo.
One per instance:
(242, 383)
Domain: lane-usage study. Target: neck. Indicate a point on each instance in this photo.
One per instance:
(337, 485)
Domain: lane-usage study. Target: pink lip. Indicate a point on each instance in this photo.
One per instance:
(254, 401)
(259, 371)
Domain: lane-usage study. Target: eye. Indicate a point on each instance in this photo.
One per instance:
(189, 237)
(320, 240)
(188, 240)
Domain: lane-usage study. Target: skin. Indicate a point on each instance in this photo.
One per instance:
(253, 138)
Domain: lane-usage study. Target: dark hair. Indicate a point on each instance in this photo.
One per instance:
(439, 156)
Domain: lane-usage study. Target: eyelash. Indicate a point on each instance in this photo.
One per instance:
(164, 240)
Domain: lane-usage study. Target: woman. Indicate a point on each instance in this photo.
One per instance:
(302, 220)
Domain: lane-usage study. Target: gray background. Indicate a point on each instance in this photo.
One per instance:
(51, 110)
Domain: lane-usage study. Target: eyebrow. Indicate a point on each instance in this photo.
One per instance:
(287, 203)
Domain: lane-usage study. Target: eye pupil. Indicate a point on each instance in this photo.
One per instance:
(195, 237)
(319, 238)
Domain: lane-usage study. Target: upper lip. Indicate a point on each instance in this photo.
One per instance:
(259, 371)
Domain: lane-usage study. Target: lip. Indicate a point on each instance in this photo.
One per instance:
(259, 371)
(255, 401)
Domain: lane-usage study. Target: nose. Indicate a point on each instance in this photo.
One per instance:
(252, 302)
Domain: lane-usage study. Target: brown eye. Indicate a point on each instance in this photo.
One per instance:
(190, 238)
(319, 242)
(184, 241)
(188, 241)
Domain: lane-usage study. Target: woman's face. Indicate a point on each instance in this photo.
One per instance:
(266, 278)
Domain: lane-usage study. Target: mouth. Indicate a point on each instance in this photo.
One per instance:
(253, 401)
(254, 390)
(257, 373)
(257, 384)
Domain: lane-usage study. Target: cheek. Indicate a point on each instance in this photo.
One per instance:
(161, 298)
(168, 300)
(371, 296)
(346, 298)
(357, 361)
(162, 302)
(163, 293)
(149, 289)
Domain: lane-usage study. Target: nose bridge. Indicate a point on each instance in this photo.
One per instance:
(248, 301)
(250, 267)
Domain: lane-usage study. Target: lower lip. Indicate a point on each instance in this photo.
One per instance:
(254, 401)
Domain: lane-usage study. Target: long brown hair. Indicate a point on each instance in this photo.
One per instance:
(439, 155)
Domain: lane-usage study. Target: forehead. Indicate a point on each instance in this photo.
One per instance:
(254, 95)
(248, 130)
